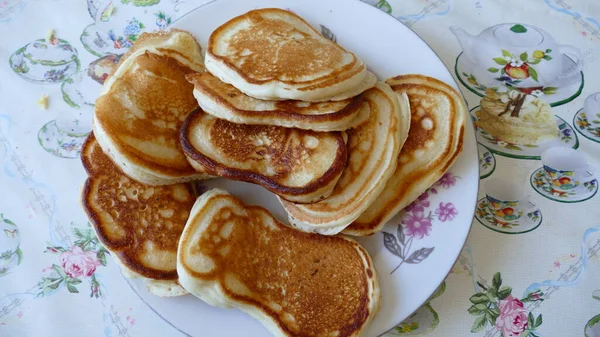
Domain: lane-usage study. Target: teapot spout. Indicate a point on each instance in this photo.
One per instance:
(464, 39)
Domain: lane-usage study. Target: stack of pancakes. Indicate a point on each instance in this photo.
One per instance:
(273, 103)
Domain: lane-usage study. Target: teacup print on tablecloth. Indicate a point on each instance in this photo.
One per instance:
(507, 208)
(587, 120)
(47, 61)
(519, 56)
(64, 136)
(565, 176)
(115, 30)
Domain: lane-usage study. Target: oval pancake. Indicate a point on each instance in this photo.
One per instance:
(143, 104)
(373, 150)
(224, 101)
(140, 225)
(273, 54)
(296, 284)
(298, 165)
(434, 143)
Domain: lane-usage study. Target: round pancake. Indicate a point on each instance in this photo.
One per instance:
(273, 54)
(298, 165)
(224, 101)
(434, 142)
(294, 283)
(373, 151)
(140, 225)
(143, 104)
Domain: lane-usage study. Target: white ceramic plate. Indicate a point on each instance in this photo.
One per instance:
(434, 231)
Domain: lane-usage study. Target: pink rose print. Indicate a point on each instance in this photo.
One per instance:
(447, 180)
(422, 201)
(512, 320)
(416, 224)
(77, 263)
(446, 212)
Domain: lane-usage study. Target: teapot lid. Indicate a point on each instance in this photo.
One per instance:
(54, 52)
(519, 35)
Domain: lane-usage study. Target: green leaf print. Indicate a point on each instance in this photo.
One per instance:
(493, 70)
(538, 321)
(479, 298)
(473, 310)
(505, 53)
(533, 74)
(530, 321)
(518, 29)
(504, 292)
(479, 324)
(9, 222)
(74, 281)
(497, 281)
(19, 255)
(102, 256)
(500, 61)
(523, 57)
(530, 145)
(547, 57)
(72, 288)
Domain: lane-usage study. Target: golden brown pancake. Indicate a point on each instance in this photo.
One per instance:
(298, 165)
(140, 225)
(144, 103)
(224, 101)
(274, 54)
(294, 283)
(434, 142)
(373, 150)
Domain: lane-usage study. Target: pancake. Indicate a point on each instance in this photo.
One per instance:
(530, 122)
(298, 165)
(434, 142)
(373, 155)
(296, 284)
(273, 54)
(140, 225)
(224, 101)
(143, 104)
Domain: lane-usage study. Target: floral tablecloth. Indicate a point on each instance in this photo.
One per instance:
(539, 277)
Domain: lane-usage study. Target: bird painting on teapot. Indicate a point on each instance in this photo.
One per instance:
(520, 56)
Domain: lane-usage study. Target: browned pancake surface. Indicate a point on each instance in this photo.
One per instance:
(273, 50)
(140, 224)
(149, 107)
(312, 285)
(429, 150)
(288, 162)
(230, 97)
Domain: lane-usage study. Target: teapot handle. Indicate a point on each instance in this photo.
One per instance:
(575, 54)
